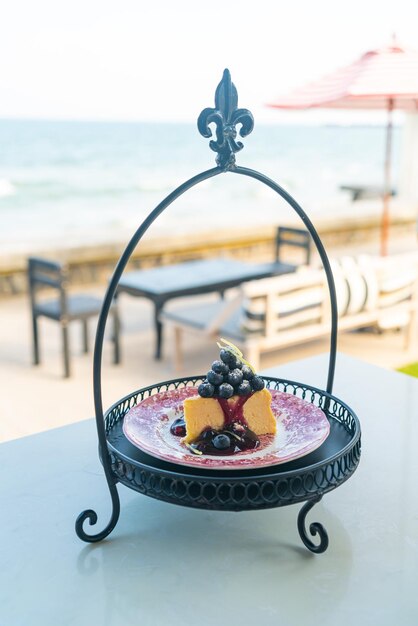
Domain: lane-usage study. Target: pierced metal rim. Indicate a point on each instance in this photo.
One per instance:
(223, 477)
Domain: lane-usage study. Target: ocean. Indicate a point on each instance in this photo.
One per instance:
(81, 183)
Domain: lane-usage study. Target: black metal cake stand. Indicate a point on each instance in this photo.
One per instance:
(305, 479)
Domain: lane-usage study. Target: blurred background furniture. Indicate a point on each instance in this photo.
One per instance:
(265, 315)
(366, 192)
(63, 308)
(281, 311)
(161, 284)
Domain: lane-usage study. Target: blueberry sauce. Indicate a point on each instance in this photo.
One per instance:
(230, 440)
(235, 436)
(234, 412)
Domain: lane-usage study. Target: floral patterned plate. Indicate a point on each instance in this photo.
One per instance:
(301, 428)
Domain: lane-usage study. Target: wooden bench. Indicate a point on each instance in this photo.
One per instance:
(274, 313)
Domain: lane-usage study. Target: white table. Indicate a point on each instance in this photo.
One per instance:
(168, 565)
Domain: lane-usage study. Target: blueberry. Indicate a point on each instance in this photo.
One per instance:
(221, 442)
(226, 391)
(207, 435)
(214, 378)
(220, 367)
(206, 390)
(257, 383)
(178, 428)
(235, 377)
(244, 389)
(250, 439)
(247, 372)
(229, 358)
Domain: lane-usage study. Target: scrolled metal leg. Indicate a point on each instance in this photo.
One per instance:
(91, 515)
(315, 529)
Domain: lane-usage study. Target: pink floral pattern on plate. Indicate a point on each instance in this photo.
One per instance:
(301, 428)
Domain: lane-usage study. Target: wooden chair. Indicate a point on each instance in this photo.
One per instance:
(282, 311)
(64, 308)
(293, 237)
(265, 315)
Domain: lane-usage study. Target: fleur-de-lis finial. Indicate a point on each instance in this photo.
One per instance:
(225, 116)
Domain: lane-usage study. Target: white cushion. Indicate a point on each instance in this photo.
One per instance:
(356, 283)
(341, 287)
(368, 271)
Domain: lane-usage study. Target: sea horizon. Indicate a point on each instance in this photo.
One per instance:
(172, 121)
(94, 182)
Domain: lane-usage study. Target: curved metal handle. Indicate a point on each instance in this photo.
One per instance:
(98, 348)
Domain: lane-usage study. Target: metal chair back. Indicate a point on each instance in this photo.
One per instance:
(62, 308)
(42, 274)
(294, 237)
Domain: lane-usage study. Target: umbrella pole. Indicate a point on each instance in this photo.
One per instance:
(384, 235)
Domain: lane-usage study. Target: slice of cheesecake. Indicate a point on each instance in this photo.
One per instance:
(253, 411)
(258, 414)
(200, 414)
(232, 408)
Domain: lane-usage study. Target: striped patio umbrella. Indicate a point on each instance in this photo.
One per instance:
(386, 78)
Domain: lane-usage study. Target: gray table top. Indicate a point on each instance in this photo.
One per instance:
(169, 565)
(197, 276)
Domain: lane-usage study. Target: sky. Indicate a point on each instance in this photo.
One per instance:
(161, 60)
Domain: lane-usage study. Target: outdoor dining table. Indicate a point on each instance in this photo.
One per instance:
(171, 565)
(199, 277)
